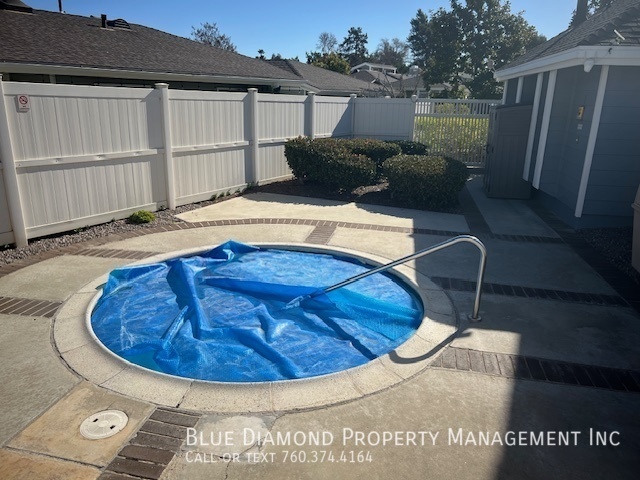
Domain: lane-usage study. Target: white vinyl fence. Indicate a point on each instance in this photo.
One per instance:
(74, 156)
(456, 128)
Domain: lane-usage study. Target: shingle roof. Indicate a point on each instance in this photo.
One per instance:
(49, 38)
(622, 15)
(321, 78)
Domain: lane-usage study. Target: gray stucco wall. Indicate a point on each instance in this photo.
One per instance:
(615, 171)
(568, 136)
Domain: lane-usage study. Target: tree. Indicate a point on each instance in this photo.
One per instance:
(588, 8)
(354, 46)
(392, 52)
(209, 34)
(330, 61)
(327, 42)
(455, 46)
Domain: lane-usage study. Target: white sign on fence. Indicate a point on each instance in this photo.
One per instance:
(24, 104)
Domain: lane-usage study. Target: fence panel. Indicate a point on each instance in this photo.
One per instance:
(207, 118)
(333, 117)
(85, 155)
(456, 128)
(384, 118)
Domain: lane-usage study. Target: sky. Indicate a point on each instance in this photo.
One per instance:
(292, 27)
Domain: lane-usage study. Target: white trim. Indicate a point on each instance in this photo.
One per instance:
(170, 170)
(593, 136)
(103, 157)
(526, 173)
(601, 55)
(504, 91)
(544, 130)
(519, 90)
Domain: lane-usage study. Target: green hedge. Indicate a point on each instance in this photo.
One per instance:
(410, 148)
(330, 162)
(425, 181)
(376, 150)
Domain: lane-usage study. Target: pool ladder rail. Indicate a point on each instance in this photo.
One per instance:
(475, 315)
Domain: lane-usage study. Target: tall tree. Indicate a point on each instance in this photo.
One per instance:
(392, 52)
(209, 34)
(327, 42)
(458, 44)
(330, 61)
(354, 46)
(586, 8)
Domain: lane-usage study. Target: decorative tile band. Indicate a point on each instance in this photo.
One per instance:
(460, 285)
(148, 453)
(544, 370)
(28, 307)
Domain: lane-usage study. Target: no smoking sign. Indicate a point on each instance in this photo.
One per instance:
(24, 104)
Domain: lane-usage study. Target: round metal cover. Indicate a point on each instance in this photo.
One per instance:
(103, 424)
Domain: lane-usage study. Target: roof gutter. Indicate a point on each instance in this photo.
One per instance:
(9, 67)
(586, 56)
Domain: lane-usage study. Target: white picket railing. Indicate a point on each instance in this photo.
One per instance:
(456, 128)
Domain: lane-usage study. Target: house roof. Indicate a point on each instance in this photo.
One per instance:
(325, 81)
(373, 65)
(45, 38)
(622, 16)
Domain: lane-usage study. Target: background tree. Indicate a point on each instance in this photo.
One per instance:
(209, 34)
(331, 61)
(588, 8)
(455, 46)
(327, 42)
(354, 46)
(392, 52)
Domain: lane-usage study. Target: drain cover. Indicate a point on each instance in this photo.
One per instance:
(103, 424)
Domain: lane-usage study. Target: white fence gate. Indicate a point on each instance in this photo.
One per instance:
(456, 128)
(81, 155)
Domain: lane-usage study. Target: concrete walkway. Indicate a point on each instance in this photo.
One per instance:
(546, 386)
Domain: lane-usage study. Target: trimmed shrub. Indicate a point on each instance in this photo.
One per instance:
(141, 216)
(329, 162)
(376, 150)
(425, 181)
(410, 148)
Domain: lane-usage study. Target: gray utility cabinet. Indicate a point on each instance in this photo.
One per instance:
(506, 150)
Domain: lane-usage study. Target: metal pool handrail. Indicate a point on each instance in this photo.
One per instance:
(474, 317)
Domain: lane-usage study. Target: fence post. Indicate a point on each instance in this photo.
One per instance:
(253, 129)
(414, 101)
(10, 175)
(311, 128)
(166, 141)
(352, 101)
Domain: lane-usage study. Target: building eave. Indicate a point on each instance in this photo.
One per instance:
(44, 69)
(598, 54)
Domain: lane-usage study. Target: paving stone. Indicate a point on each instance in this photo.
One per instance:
(157, 441)
(506, 365)
(537, 373)
(175, 418)
(166, 429)
(148, 454)
(462, 359)
(476, 362)
(135, 468)
(521, 368)
(449, 358)
(491, 363)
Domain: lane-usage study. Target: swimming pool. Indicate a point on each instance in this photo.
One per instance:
(226, 315)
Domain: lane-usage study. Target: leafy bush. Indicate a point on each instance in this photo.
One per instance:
(141, 216)
(376, 150)
(329, 162)
(410, 148)
(425, 181)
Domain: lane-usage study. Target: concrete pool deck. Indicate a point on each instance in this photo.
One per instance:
(556, 352)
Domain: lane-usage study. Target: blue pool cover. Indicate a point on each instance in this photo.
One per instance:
(225, 315)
